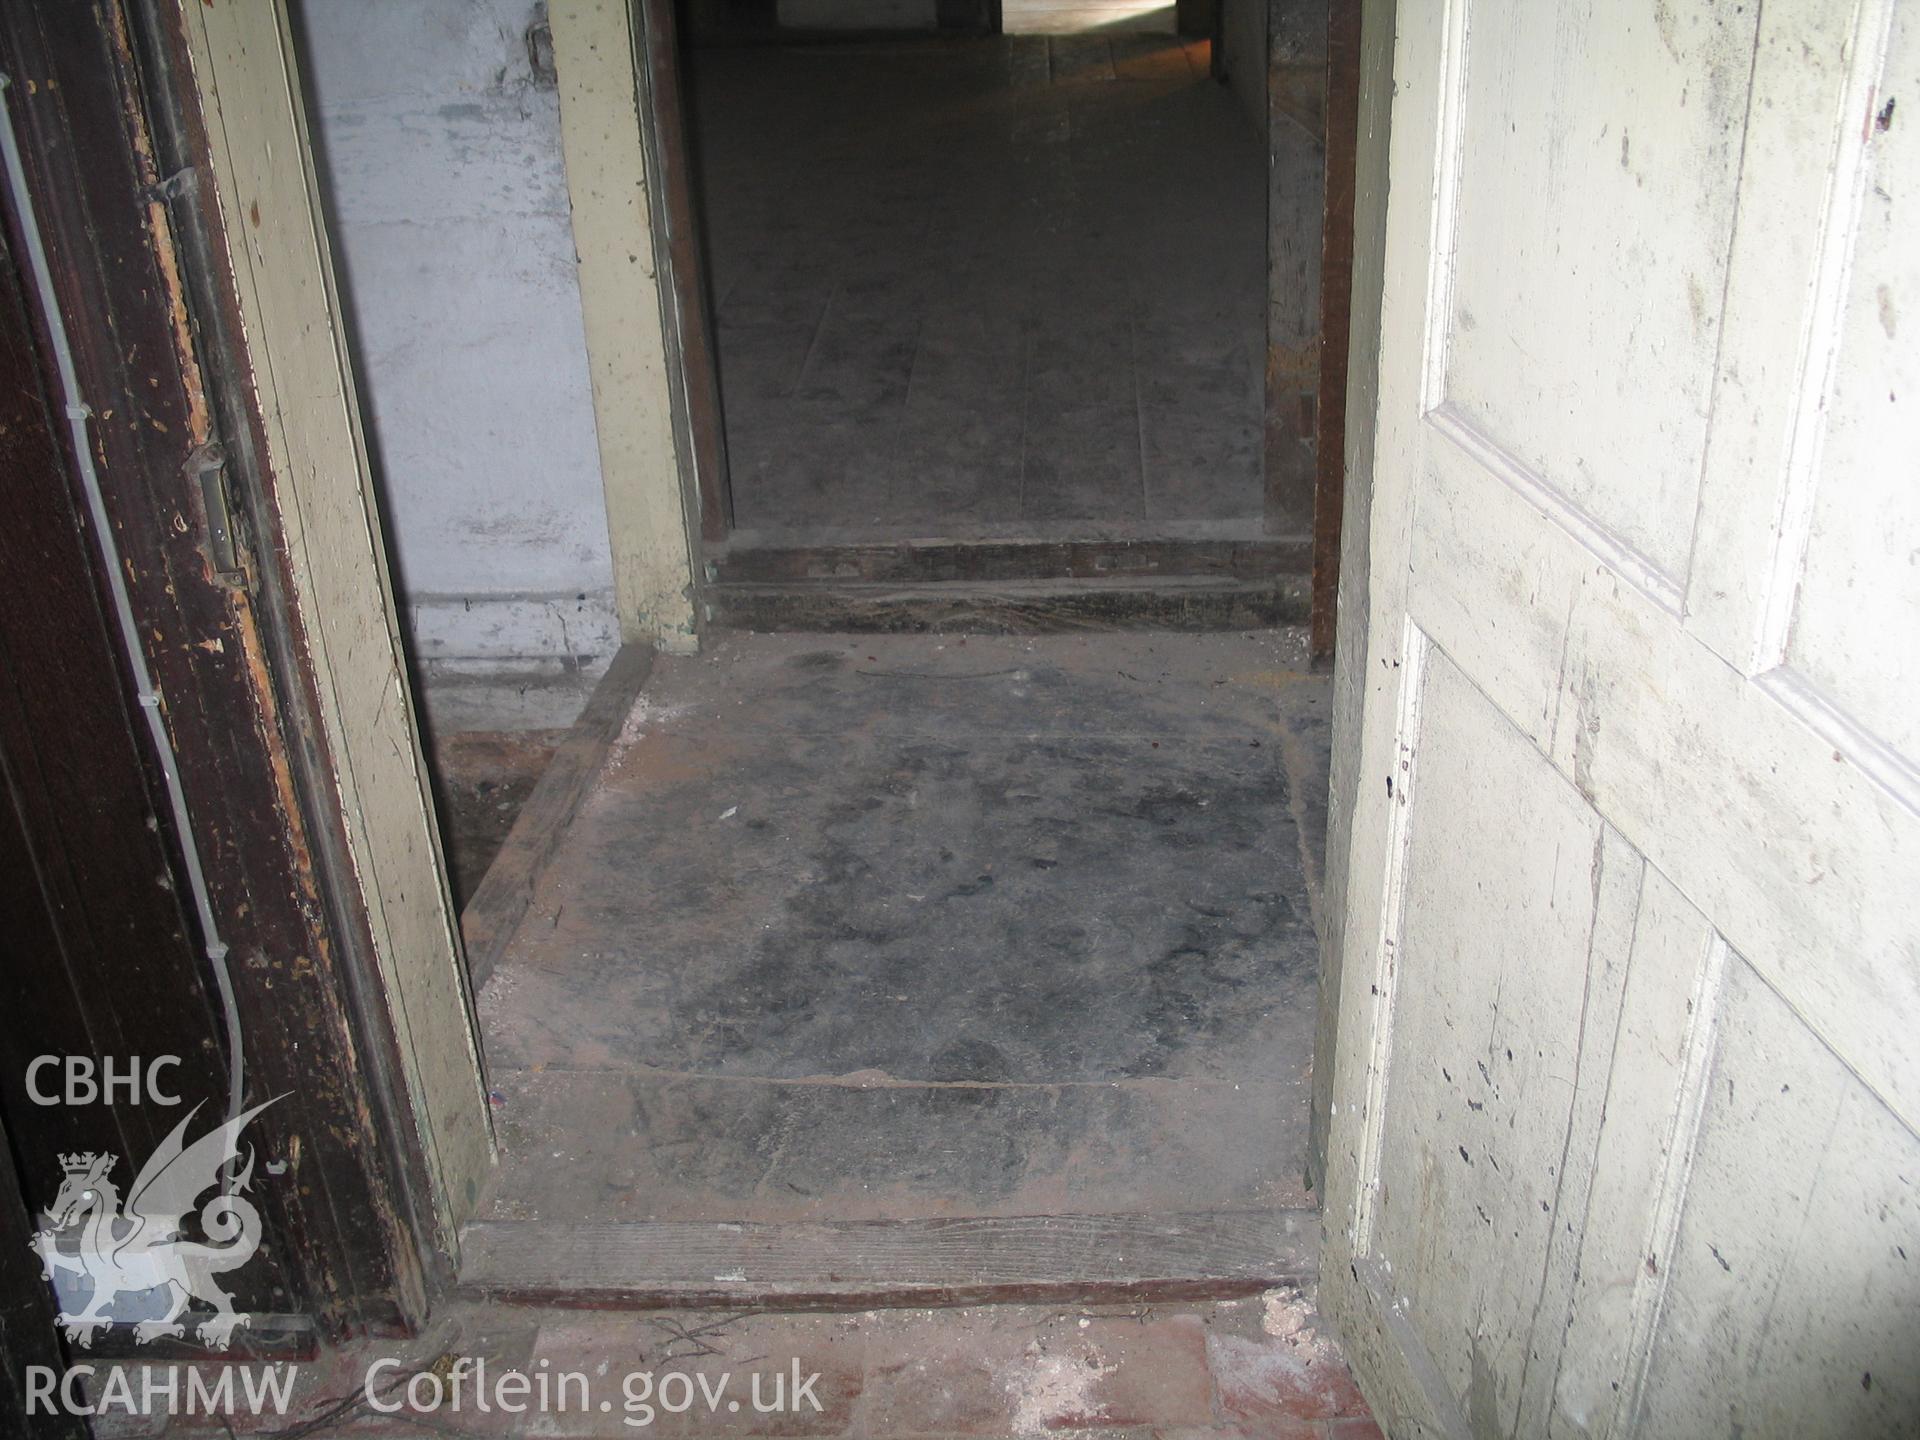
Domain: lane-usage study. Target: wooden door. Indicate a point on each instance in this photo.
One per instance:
(99, 959)
(117, 311)
(1627, 1078)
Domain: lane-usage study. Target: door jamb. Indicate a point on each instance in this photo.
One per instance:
(1340, 131)
(629, 300)
(677, 230)
(271, 257)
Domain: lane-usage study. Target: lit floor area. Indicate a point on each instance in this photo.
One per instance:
(969, 287)
(860, 928)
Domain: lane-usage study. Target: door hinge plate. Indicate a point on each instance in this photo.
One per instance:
(207, 466)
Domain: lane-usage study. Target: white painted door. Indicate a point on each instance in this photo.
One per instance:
(1628, 1071)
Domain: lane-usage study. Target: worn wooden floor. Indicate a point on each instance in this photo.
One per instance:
(971, 284)
(908, 927)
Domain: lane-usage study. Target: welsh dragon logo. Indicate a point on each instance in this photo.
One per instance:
(137, 1245)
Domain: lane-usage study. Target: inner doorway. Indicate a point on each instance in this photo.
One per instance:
(916, 911)
(996, 296)
(919, 911)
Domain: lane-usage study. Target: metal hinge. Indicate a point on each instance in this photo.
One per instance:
(207, 464)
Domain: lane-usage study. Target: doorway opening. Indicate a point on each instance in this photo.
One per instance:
(1000, 297)
(969, 872)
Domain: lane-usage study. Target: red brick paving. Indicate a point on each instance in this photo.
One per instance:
(1246, 1370)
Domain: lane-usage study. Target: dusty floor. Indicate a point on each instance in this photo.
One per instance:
(481, 778)
(986, 283)
(1259, 1369)
(904, 927)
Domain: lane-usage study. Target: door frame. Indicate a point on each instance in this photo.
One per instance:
(266, 271)
(662, 403)
(673, 166)
(272, 312)
(171, 181)
(655, 381)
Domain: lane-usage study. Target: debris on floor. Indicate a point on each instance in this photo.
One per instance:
(1108, 1372)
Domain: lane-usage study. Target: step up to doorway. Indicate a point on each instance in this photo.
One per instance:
(1011, 607)
(1009, 585)
(862, 1264)
(763, 559)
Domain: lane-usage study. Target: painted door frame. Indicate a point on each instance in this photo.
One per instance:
(163, 152)
(268, 251)
(267, 267)
(655, 383)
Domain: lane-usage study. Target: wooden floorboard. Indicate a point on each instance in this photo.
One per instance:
(1036, 1259)
(503, 894)
(1012, 607)
(917, 562)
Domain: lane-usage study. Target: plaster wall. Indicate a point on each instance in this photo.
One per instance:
(438, 136)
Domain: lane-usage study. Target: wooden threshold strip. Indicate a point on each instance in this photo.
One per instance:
(924, 562)
(1009, 607)
(1037, 1259)
(501, 898)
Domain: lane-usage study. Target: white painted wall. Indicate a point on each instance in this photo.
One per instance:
(440, 148)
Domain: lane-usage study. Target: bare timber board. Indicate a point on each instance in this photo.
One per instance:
(1034, 1259)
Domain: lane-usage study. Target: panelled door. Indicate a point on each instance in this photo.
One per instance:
(1628, 1074)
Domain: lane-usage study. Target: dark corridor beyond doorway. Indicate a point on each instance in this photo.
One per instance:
(996, 287)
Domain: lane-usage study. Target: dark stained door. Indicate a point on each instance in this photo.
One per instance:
(99, 960)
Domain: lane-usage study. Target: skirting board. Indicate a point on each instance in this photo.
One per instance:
(506, 629)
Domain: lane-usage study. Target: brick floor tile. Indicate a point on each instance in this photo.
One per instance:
(1151, 1372)
(939, 1373)
(1281, 1378)
(1024, 1370)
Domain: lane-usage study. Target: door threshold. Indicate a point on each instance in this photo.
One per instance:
(1007, 607)
(872, 1264)
(916, 560)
